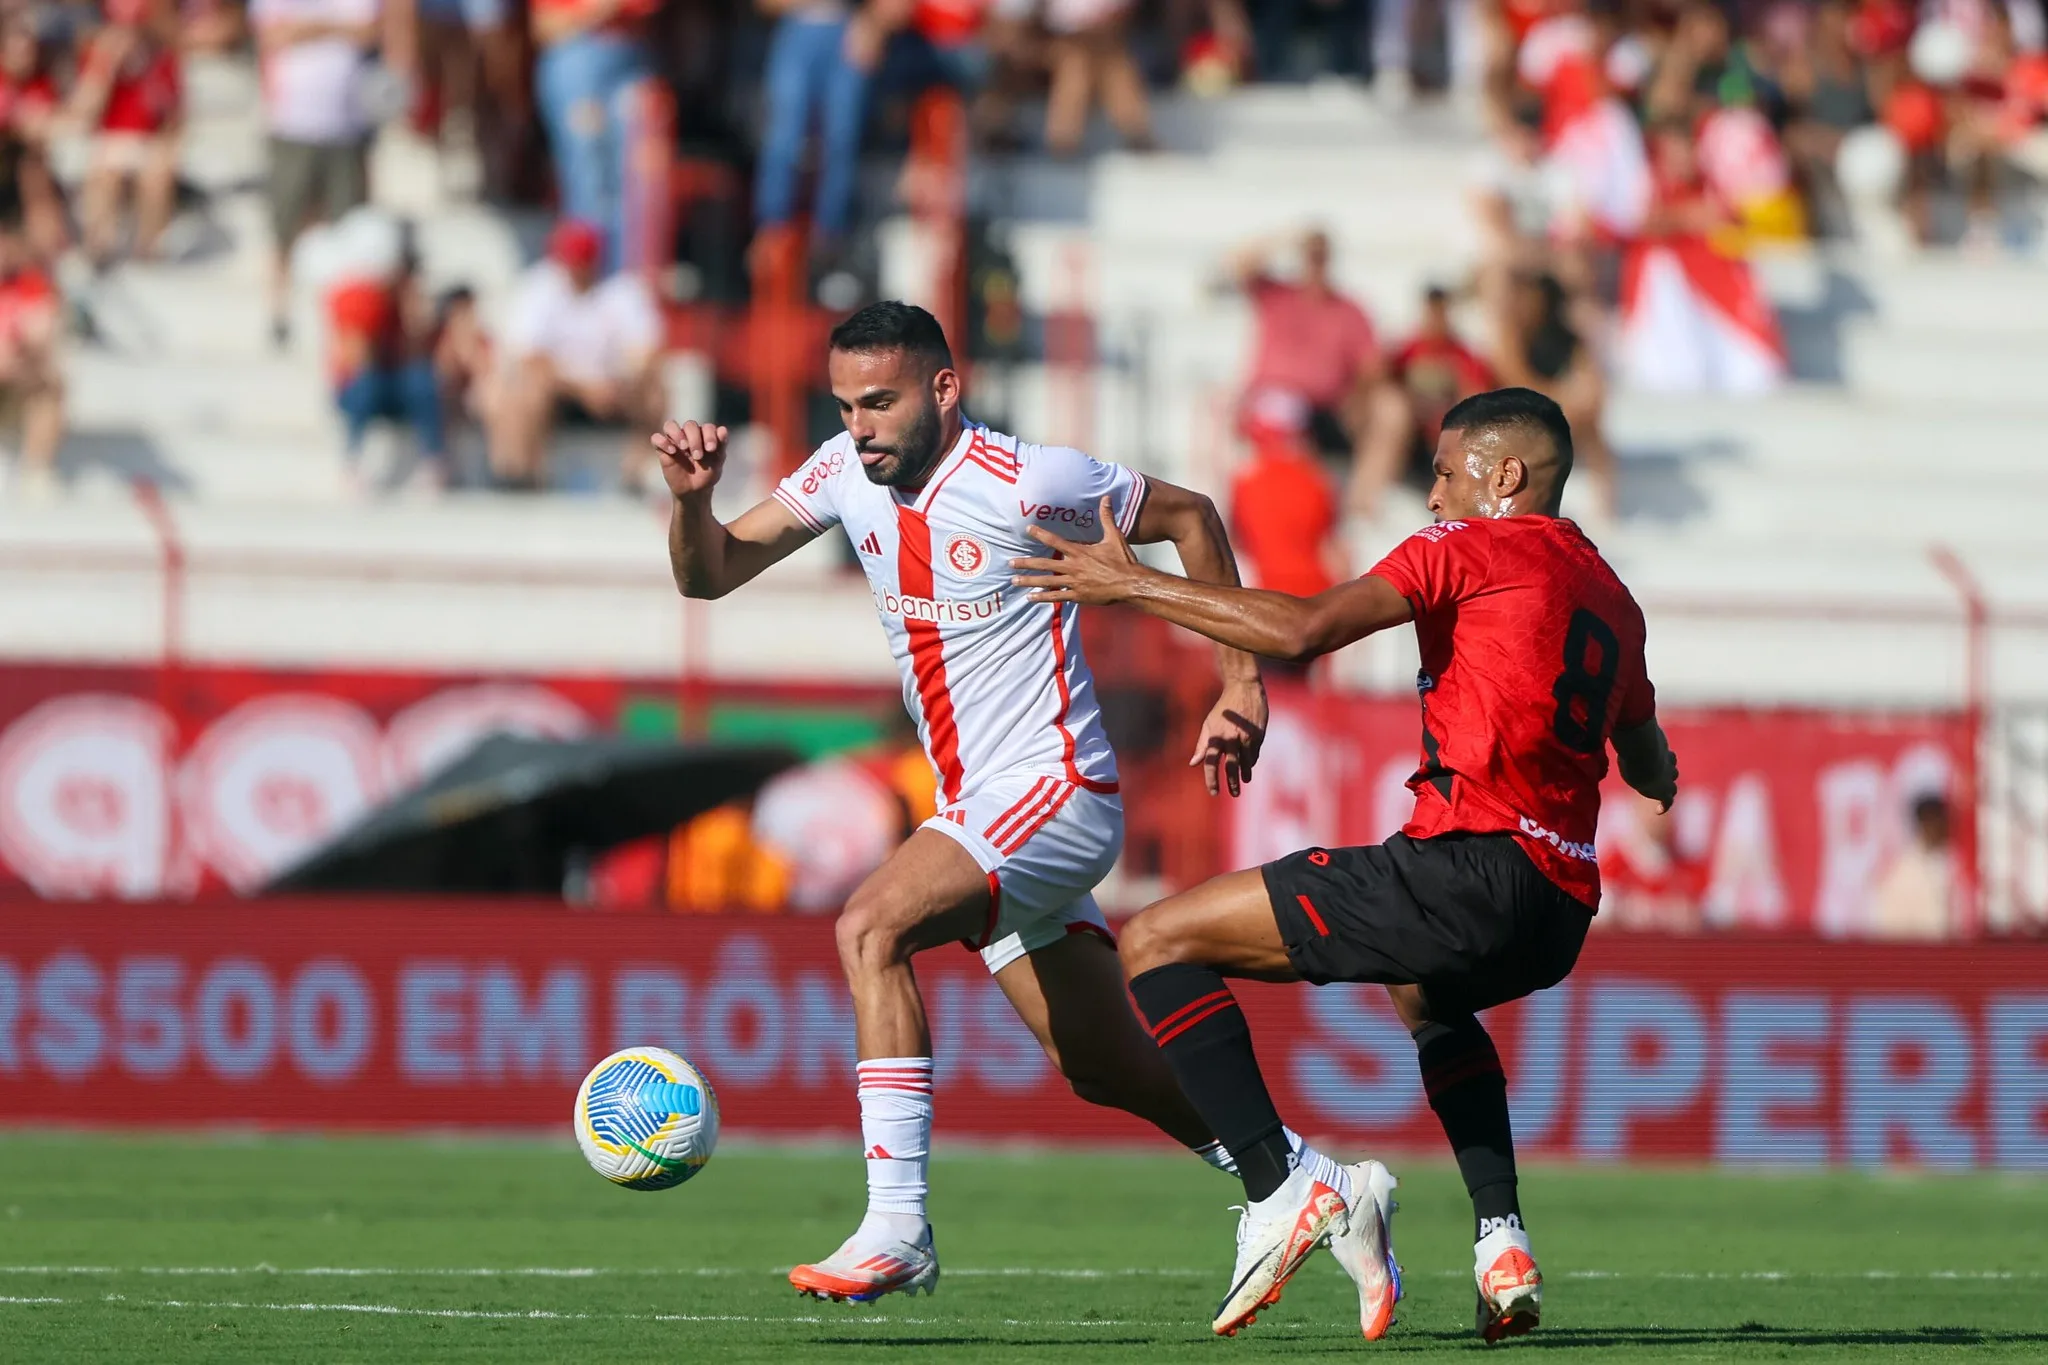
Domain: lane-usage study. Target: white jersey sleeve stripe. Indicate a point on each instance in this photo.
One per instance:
(783, 496)
(1128, 523)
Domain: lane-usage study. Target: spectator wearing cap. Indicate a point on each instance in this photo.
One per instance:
(131, 94)
(1316, 346)
(601, 105)
(581, 346)
(31, 377)
(380, 345)
(314, 55)
(1431, 372)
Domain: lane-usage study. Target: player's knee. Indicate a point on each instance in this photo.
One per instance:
(1148, 940)
(1092, 1077)
(868, 936)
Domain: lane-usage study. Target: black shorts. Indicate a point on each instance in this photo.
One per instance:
(1465, 916)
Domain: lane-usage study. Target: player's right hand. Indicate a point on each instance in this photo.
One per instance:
(692, 456)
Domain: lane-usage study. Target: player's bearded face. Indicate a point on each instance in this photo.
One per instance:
(910, 451)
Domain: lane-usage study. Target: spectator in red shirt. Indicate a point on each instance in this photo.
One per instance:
(31, 379)
(1316, 346)
(1283, 511)
(1431, 373)
(130, 91)
(29, 103)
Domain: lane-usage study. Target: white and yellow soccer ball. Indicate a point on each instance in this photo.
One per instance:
(646, 1119)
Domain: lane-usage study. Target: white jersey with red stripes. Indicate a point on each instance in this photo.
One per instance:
(996, 682)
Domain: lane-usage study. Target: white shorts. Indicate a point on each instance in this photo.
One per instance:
(1045, 844)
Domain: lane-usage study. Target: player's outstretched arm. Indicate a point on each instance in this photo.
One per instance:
(1273, 624)
(1228, 746)
(710, 559)
(1646, 761)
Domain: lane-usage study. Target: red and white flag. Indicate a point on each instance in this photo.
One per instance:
(1696, 321)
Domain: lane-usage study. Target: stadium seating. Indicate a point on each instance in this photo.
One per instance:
(1917, 385)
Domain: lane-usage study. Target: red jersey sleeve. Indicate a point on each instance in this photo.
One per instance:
(1639, 702)
(1438, 565)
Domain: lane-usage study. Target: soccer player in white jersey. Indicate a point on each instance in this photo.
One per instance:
(1029, 820)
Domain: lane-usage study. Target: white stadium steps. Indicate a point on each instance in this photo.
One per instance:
(1765, 538)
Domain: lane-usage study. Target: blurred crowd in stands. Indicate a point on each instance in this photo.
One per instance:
(1642, 154)
(1641, 149)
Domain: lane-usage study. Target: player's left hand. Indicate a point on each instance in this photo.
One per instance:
(1077, 572)
(1228, 745)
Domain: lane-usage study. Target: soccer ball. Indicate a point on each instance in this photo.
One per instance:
(646, 1119)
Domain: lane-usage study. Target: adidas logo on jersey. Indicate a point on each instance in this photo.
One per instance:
(872, 545)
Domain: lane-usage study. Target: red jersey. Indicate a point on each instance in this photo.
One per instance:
(1532, 656)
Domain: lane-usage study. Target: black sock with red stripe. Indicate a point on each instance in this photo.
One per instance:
(1461, 1074)
(1196, 1022)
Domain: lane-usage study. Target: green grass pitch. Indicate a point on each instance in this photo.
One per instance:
(282, 1250)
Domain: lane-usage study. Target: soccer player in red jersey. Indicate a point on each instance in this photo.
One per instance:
(1532, 666)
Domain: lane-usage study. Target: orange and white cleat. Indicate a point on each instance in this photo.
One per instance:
(863, 1270)
(1364, 1246)
(1274, 1237)
(1510, 1285)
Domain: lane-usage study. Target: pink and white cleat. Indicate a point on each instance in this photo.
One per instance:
(1364, 1246)
(1510, 1285)
(864, 1269)
(1274, 1237)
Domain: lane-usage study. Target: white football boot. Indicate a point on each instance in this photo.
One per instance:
(1510, 1285)
(1364, 1246)
(1274, 1237)
(864, 1269)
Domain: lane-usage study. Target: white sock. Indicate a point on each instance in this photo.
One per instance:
(1318, 1166)
(896, 1134)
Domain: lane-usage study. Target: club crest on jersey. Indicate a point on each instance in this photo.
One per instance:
(965, 555)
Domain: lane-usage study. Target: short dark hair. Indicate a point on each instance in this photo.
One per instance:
(1518, 410)
(892, 325)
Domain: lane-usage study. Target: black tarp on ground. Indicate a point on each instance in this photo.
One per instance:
(510, 815)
